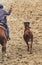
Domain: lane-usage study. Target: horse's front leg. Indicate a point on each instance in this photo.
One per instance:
(31, 49)
(27, 45)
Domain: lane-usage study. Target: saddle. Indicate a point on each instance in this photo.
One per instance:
(1, 26)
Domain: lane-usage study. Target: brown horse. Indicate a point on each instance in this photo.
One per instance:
(28, 36)
(3, 39)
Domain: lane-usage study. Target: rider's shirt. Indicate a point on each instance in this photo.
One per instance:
(3, 13)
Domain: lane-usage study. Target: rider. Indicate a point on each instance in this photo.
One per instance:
(3, 13)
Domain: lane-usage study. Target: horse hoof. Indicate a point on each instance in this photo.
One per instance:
(2, 60)
(27, 49)
(30, 52)
(5, 55)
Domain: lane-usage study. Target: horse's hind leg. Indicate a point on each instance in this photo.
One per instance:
(3, 49)
(4, 55)
(31, 44)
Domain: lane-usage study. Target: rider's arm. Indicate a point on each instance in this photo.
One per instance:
(7, 13)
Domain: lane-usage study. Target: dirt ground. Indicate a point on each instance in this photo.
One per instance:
(23, 10)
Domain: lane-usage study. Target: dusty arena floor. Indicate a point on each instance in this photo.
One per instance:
(23, 10)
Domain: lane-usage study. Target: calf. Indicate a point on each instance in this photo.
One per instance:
(28, 36)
